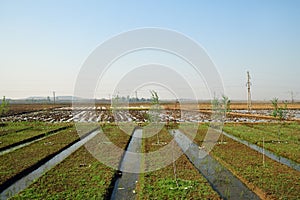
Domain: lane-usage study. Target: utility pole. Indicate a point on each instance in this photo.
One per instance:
(249, 103)
(136, 96)
(53, 97)
(292, 96)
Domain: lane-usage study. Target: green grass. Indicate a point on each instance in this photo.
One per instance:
(115, 135)
(17, 131)
(10, 127)
(161, 184)
(277, 181)
(14, 162)
(80, 176)
(191, 130)
(289, 146)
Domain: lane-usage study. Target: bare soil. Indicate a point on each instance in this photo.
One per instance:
(15, 109)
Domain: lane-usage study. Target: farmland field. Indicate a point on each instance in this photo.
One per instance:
(19, 131)
(23, 158)
(162, 183)
(80, 176)
(32, 137)
(269, 179)
(283, 139)
(142, 100)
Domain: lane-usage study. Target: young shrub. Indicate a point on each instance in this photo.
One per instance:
(280, 112)
(4, 107)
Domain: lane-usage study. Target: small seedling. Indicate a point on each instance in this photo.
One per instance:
(4, 107)
(155, 104)
(280, 112)
(220, 108)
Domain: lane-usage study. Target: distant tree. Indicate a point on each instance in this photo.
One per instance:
(4, 107)
(123, 99)
(143, 99)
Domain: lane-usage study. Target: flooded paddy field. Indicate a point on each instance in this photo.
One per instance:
(106, 114)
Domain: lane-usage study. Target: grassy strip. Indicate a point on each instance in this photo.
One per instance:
(291, 130)
(80, 176)
(191, 130)
(116, 135)
(277, 181)
(34, 138)
(161, 184)
(290, 150)
(13, 131)
(21, 159)
(11, 127)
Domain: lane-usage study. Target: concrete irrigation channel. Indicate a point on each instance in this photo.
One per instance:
(267, 153)
(125, 184)
(221, 179)
(27, 179)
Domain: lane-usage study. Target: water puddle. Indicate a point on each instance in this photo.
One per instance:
(125, 185)
(269, 154)
(297, 114)
(24, 182)
(221, 179)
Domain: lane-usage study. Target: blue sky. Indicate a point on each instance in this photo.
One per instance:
(43, 44)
